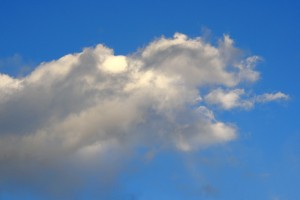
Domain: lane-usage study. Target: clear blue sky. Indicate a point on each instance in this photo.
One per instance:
(263, 163)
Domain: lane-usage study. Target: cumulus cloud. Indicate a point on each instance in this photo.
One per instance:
(88, 105)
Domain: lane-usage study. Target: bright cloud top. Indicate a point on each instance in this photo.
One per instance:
(86, 104)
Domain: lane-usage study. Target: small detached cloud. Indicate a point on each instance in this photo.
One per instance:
(267, 97)
(237, 98)
(91, 106)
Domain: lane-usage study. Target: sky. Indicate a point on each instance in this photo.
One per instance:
(149, 100)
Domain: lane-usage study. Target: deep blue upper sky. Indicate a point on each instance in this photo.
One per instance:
(265, 159)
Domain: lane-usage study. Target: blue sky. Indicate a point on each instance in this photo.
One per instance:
(261, 162)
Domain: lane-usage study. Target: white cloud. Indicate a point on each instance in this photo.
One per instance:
(237, 98)
(246, 69)
(114, 64)
(87, 104)
(228, 99)
(267, 97)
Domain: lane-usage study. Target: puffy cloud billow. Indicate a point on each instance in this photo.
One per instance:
(94, 107)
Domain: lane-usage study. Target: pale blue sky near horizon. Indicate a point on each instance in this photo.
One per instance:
(262, 163)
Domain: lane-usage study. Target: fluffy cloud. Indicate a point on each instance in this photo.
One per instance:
(227, 99)
(86, 105)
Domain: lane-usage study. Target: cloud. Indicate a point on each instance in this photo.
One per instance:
(267, 97)
(228, 99)
(235, 98)
(91, 109)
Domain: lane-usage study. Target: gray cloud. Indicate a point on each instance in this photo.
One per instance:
(89, 110)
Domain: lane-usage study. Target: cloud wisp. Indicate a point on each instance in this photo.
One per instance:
(88, 105)
(234, 98)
